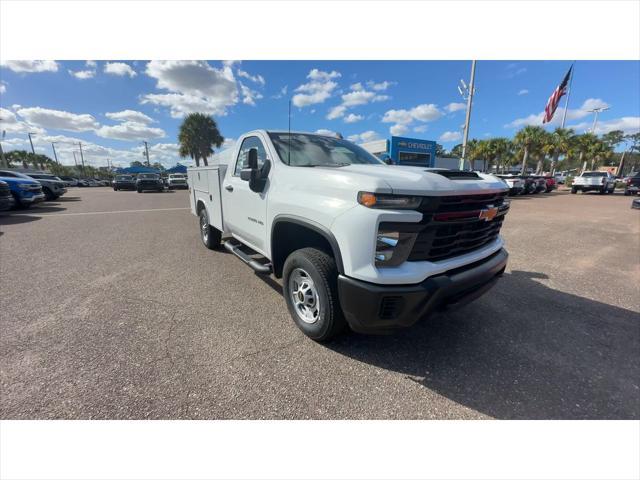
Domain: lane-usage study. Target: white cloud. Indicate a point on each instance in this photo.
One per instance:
(572, 114)
(628, 125)
(425, 112)
(129, 131)
(91, 63)
(454, 107)
(30, 66)
(282, 93)
(398, 129)
(249, 96)
(420, 128)
(9, 122)
(58, 119)
(356, 86)
(3, 87)
(450, 136)
(254, 78)
(401, 116)
(120, 69)
(324, 131)
(357, 97)
(367, 136)
(353, 118)
(195, 86)
(379, 87)
(317, 90)
(336, 112)
(130, 116)
(524, 91)
(83, 74)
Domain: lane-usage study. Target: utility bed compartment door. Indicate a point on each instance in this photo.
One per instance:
(205, 188)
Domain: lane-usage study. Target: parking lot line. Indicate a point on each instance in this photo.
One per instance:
(34, 214)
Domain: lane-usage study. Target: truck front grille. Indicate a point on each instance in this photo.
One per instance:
(5, 191)
(454, 225)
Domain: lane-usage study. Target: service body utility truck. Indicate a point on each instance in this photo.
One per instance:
(354, 240)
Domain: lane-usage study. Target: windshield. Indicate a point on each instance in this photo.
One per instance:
(124, 177)
(594, 174)
(318, 151)
(152, 176)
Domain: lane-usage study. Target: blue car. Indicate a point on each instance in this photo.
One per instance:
(25, 190)
(6, 199)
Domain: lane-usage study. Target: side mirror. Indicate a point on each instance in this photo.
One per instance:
(257, 177)
(388, 161)
(247, 173)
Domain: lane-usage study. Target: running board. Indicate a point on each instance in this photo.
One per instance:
(261, 268)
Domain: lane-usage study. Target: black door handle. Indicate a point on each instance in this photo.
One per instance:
(229, 188)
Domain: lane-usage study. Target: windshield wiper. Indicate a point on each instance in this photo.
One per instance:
(324, 165)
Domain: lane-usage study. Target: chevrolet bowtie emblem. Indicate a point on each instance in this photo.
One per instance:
(488, 214)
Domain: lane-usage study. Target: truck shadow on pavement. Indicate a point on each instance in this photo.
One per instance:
(523, 351)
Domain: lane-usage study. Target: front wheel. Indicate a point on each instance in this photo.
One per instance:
(139, 190)
(310, 284)
(574, 190)
(211, 237)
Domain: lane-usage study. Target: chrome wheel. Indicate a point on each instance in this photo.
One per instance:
(304, 296)
(204, 227)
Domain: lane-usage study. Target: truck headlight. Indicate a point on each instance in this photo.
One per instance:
(385, 200)
(393, 247)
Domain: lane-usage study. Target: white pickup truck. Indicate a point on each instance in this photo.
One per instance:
(603, 182)
(355, 241)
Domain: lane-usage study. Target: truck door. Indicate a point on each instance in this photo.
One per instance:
(244, 210)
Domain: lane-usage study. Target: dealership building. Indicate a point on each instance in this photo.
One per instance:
(404, 151)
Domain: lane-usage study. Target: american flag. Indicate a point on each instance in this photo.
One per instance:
(555, 97)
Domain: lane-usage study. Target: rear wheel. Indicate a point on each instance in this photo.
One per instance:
(139, 190)
(574, 190)
(310, 284)
(49, 194)
(211, 237)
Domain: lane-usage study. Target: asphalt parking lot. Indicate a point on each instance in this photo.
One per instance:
(111, 308)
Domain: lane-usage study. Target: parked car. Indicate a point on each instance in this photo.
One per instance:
(69, 181)
(560, 177)
(149, 181)
(25, 190)
(354, 240)
(124, 182)
(602, 182)
(530, 184)
(177, 180)
(52, 186)
(515, 184)
(632, 184)
(549, 182)
(541, 183)
(6, 198)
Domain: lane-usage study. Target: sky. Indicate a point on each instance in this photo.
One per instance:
(113, 106)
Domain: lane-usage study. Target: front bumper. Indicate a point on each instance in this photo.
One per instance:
(35, 198)
(7, 203)
(375, 308)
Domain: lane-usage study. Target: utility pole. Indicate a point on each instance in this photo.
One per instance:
(75, 159)
(469, 91)
(81, 157)
(55, 155)
(596, 111)
(146, 149)
(31, 142)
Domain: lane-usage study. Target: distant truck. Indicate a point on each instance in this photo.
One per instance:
(176, 180)
(602, 182)
(354, 240)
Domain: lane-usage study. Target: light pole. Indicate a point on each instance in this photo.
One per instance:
(596, 111)
(31, 142)
(146, 154)
(468, 93)
(3, 160)
(55, 155)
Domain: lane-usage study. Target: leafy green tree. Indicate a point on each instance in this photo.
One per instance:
(530, 139)
(457, 151)
(584, 146)
(197, 136)
(559, 142)
(136, 163)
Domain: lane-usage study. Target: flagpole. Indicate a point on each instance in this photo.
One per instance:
(566, 102)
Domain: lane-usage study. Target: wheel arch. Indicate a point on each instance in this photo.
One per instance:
(290, 233)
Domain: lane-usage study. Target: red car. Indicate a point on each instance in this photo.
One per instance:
(551, 183)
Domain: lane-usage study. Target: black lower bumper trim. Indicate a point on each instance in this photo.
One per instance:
(371, 308)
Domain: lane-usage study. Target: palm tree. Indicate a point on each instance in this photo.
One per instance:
(599, 151)
(561, 139)
(530, 139)
(583, 144)
(500, 149)
(197, 136)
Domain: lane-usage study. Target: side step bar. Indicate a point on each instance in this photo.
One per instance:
(261, 268)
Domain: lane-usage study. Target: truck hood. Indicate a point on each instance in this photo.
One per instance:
(423, 181)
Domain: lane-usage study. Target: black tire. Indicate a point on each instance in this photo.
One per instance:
(115, 189)
(627, 192)
(321, 268)
(139, 190)
(210, 236)
(48, 194)
(603, 190)
(574, 190)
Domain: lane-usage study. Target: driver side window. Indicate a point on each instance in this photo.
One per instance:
(247, 144)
